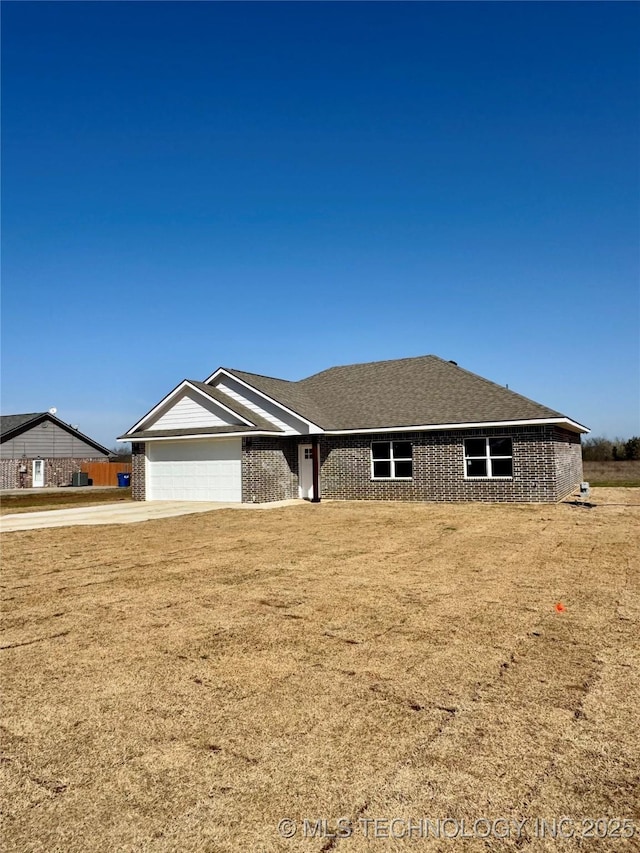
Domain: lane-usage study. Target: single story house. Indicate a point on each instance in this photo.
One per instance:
(38, 449)
(412, 429)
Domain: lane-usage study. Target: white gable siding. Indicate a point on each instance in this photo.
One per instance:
(269, 411)
(192, 410)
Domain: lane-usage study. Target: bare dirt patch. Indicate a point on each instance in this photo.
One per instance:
(185, 685)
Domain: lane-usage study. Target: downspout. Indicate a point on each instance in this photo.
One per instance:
(315, 466)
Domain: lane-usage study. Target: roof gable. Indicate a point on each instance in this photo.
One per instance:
(12, 426)
(194, 408)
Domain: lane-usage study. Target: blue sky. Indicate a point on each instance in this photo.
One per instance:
(283, 187)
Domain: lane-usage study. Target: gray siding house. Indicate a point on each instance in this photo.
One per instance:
(414, 429)
(38, 449)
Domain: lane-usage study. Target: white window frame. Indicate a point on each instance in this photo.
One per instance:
(392, 460)
(487, 457)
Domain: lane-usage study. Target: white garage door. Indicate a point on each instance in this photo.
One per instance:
(194, 470)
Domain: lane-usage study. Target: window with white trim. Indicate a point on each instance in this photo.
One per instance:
(391, 460)
(488, 458)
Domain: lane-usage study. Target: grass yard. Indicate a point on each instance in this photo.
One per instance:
(185, 684)
(616, 474)
(62, 499)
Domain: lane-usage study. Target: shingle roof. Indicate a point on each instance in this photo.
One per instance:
(404, 392)
(9, 423)
(292, 395)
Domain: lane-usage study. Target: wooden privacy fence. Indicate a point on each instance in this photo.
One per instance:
(106, 473)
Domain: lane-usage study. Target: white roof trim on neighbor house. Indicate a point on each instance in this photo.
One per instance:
(174, 393)
(479, 425)
(221, 370)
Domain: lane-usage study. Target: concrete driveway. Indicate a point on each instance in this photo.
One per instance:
(119, 513)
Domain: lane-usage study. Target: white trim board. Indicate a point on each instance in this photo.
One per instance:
(424, 428)
(207, 436)
(475, 425)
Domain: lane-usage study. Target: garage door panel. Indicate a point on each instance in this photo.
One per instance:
(197, 471)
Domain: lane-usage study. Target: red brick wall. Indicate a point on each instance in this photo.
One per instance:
(269, 469)
(438, 468)
(57, 471)
(567, 449)
(138, 471)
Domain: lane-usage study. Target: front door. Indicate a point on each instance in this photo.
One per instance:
(305, 471)
(38, 473)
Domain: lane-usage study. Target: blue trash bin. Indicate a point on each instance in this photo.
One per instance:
(124, 480)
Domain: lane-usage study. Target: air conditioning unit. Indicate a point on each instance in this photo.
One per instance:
(79, 478)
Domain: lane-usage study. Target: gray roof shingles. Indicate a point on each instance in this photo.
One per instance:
(292, 395)
(8, 423)
(404, 392)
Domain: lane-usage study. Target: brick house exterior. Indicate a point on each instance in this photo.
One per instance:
(269, 469)
(317, 438)
(438, 468)
(60, 449)
(138, 471)
(18, 473)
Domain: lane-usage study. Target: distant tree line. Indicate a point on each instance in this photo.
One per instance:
(599, 449)
(121, 453)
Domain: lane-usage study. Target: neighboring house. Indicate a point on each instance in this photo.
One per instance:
(39, 449)
(413, 429)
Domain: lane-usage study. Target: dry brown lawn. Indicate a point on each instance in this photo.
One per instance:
(11, 503)
(184, 684)
(625, 473)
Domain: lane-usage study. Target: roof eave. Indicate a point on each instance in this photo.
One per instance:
(574, 426)
(141, 438)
